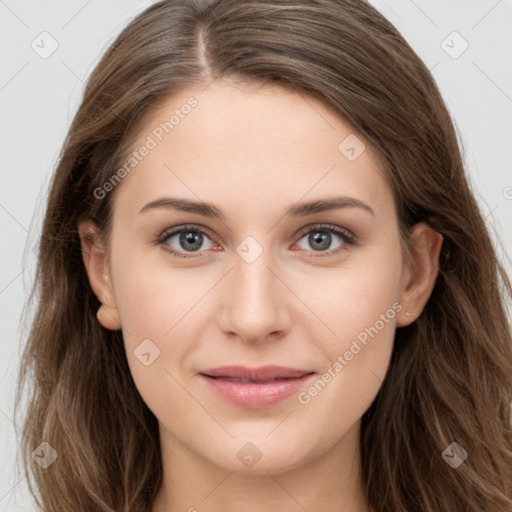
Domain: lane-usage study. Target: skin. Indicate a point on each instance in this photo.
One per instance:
(253, 152)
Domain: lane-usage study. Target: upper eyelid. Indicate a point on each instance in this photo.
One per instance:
(191, 227)
(327, 226)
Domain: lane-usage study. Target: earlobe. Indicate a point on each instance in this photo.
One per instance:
(108, 318)
(95, 260)
(420, 273)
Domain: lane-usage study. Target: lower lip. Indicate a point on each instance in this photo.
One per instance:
(252, 395)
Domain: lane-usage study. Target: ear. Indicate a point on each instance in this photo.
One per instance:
(96, 264)
(420, 272)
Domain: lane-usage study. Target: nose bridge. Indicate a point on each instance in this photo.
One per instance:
(255, 303)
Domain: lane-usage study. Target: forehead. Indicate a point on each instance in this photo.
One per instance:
(248, 147)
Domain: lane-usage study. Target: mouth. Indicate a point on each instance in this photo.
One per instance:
(236, 379)
(255, 388)
(262, 374)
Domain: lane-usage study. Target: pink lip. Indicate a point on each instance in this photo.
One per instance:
(258, 394)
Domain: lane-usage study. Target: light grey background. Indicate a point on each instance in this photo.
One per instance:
(38, 97)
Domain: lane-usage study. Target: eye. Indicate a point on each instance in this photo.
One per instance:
(320, 237)
(190, 239)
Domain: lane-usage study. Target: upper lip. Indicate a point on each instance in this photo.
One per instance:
(256, 374)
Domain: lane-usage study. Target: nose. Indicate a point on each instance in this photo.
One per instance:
(255, 302)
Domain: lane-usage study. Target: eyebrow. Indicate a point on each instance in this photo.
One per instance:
(295, 210)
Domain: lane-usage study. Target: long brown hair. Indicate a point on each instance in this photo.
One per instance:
(450, 376)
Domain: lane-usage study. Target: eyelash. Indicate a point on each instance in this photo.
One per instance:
(348, 238)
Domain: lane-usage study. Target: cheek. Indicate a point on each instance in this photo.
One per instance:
(359, 306)
(357, 296)
(156, 308)
(145, 308)
(151, 298)
(150, 314)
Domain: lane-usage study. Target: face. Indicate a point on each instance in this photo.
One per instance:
(316, 290)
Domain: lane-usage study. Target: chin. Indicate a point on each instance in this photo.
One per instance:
(260, 455)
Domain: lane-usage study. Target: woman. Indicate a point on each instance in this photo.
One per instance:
(194, 349)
